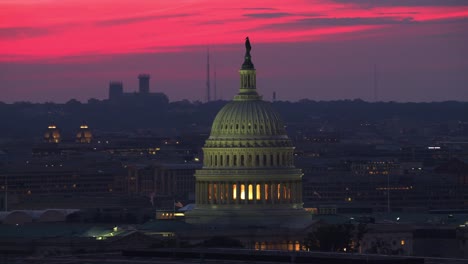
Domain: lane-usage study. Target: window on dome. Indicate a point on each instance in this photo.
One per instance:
(258, 192)
(235, 160)
(237, 126)
(255, 126)
(242, 160)
(234, 191)
(250, 192)
(242, 192)
(227, 160)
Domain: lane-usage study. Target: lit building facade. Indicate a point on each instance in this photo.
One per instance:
(84, 134)
(248, 175)
(52, 134)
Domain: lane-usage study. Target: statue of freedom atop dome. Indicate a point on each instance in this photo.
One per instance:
(247, 65)
(247, 46)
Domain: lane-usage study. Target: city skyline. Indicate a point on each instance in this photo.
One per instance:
(320, 50)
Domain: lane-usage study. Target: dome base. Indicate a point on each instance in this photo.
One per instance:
(287, 217)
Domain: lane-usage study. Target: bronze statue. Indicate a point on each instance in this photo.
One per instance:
(247, 45)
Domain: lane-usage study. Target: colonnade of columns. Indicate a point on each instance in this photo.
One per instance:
(241, 192)
(246, 159)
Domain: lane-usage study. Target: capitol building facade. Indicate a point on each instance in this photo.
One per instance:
(248, 176)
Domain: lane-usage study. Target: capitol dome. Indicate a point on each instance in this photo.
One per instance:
(248, 175)
(247, 119)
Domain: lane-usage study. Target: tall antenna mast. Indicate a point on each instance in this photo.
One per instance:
(208, 95)
(214, 85)
(375, 83)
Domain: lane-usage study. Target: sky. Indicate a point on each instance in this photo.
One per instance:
(384, 50)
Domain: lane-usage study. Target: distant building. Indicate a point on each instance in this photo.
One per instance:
(115, 90)
(52, 134)
(84, 134)
(142, 97)
(143, 83)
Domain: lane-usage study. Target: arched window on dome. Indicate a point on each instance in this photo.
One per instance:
(216, 160)
(251, 192)
(227, 160)
(242, 162)
(242, 191)
(257, 160)
(278, 190)
(249, 160)
(258, 190)
(234, 160)
(267, 191)
(265, 160)
(234, 191)
(221, 160)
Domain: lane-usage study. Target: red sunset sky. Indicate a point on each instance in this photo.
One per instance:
(55, 50)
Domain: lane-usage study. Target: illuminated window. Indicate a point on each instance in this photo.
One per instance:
(242, 191)
(250, 192)
(402, 242)
(278, 190)
(266, 192)
(234, 191)
(258, 191)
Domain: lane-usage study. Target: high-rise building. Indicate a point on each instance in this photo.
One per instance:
(115, 90)
(143, 87)
(248, 176)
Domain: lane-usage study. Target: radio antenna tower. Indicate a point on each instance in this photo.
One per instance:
(208, 92)
(375, 83)
(214, 84)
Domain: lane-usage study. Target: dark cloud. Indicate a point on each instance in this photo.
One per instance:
(372, 3)
(267, 15)
(351, 21)
(22, 32)
(129, 20)
(258, 8)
